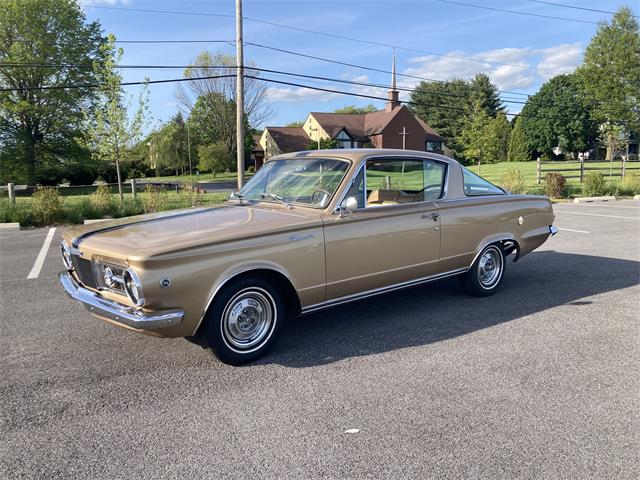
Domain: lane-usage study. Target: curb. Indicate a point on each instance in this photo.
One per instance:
(594, 199)
(9, 226)
(96, 220)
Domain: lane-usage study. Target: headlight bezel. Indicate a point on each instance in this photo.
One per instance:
(133, 287)
(66, 256)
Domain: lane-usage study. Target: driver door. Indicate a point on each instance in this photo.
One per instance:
(394, 234)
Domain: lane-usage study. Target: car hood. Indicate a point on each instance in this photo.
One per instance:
(145, 236)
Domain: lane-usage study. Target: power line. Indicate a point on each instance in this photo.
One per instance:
(268, 80)
(362, 67)
(575, 7)
(231, 67)
(516, 12)
(122, 84)
(331, 35)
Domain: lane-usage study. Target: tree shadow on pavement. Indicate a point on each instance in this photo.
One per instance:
(441, 310)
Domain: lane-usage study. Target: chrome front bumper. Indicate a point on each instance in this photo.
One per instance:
(553, 230)
(116, 312)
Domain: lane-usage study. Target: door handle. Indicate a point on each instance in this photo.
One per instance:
(433, 216)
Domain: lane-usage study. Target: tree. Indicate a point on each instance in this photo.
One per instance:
(518, 151)
(297, 123)
(110, 133)
(325, 144)
(476, 135)
(485, 92)
(352, 109)
(499, 132)
(611, 74)
(40, 125)
(559, 115)
(212, 120)
(170, 145)
(443, 105)
(214, 99)
(214, 157)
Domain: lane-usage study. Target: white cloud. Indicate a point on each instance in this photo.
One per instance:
(560, 59)
(292, 95)
(526, 66)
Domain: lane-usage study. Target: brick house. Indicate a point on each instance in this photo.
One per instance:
(393, 127)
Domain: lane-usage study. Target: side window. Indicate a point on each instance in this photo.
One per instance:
(393, 182)
(475, 185)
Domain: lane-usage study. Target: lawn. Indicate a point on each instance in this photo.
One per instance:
(495, 171)
(203, 177)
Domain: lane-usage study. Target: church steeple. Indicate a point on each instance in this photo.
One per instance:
(393, 94)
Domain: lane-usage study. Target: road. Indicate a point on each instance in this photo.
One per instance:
(539, 381)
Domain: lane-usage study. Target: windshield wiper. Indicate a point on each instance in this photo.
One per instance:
(277, 198)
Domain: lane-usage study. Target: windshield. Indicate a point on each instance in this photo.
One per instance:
(307, 181)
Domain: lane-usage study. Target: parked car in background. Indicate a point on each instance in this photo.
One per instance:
(310, 230)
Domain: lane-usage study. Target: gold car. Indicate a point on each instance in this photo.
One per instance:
(310, 230)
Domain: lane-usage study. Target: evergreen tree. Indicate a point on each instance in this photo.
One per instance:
(518, 151)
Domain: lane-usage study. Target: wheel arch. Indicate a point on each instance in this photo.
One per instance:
(507, 242)
(275, 275)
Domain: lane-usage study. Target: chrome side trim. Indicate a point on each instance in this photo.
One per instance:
(378, 291)
(116, 312)
(553, 230)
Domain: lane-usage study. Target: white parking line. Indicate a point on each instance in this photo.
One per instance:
(596, 214)
(571, 230)
(35, 271)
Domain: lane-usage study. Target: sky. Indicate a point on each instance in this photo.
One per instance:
(436, 39)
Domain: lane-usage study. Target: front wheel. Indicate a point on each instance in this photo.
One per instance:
(486, 273)
(243, 320)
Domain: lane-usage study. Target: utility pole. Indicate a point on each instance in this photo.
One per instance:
(239, 95)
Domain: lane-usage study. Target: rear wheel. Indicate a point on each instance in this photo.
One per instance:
(244, 319)
(485, 275)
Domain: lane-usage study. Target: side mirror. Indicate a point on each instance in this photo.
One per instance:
(348, 205)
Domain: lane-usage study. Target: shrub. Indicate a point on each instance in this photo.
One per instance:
(100, 202)
(153, 199)
(630, 184)
(594, 184)
(513, 181)
(251, 169)
(15, 212)
(46, 205)
(554, 185)
(130, 206)
(190, 195)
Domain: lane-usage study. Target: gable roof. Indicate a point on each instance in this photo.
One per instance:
(362, 126)
(289, 139)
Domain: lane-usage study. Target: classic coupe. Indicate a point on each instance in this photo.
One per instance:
(310, 230)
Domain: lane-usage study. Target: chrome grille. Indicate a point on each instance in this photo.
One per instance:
(84, 271)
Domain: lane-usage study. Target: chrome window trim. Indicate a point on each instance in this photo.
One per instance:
(363, 165)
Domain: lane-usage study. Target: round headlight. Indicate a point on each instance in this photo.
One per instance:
(66, 256)
(133, 287)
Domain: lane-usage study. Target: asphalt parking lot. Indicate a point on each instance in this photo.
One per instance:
(541, 380)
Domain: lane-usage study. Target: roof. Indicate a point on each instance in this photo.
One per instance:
(256, 144)
(362, 125)
(358, 154)
(289, 139)
(332, 123)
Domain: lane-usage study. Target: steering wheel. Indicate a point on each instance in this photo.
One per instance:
(319, 200)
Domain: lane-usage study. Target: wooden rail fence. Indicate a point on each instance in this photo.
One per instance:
(617, 168)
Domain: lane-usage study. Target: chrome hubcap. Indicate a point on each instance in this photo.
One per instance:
(248, 318)
(490, 268)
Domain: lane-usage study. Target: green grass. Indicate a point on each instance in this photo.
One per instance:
(495, 171)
